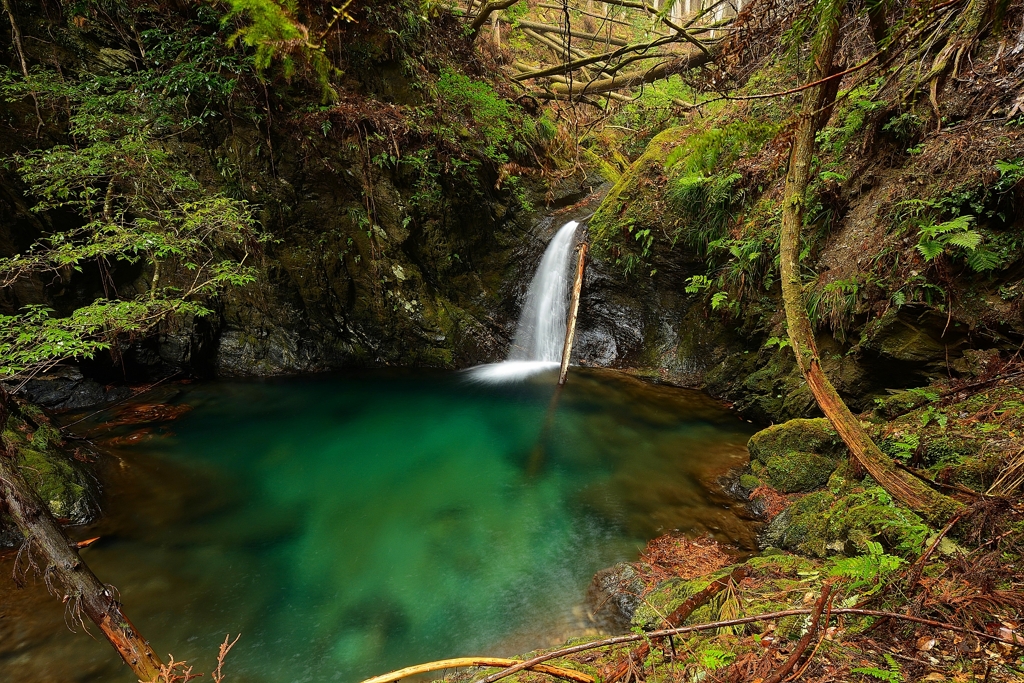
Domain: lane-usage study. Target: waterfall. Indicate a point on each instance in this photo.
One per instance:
(540, 335)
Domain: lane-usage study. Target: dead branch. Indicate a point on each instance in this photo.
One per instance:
(556, 671)
(66, 573)
(678, 616)
(574, 307)
(594, 59)
(658, 72)
(573, 35)
(805, 642)
(485, 13)
(768, 616)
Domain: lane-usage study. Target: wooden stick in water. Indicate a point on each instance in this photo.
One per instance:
(574, 307)
(556, 671)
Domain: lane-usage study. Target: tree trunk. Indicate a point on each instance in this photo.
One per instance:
(934, 506)
(65, 574)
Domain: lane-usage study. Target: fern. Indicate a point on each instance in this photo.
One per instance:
(960, 223)
(930, 249)
(934, 238)
(718, 300)
(968, 240)
(890, 675)
(867, 571)
(982, 259)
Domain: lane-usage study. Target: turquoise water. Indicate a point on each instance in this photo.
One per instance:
(350, 525)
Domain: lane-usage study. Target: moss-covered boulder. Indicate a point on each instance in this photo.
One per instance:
(63, 483)
(798, 455)
(798, 471)
(831, 522)
(776, 586)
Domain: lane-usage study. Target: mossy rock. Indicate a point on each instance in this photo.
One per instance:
(899, 403)
(670, 594)
(823, 523)
(63, 483)
(949, 448)
(798, 471)
(748, 482)
(801, 435)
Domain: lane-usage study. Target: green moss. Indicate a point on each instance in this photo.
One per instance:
(798, 471)
(749, 482)
(802, 435)
(899, 403)
(61, 482)
(670, 594)
(823, 523)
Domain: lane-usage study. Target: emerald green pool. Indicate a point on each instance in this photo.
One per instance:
(349, 525)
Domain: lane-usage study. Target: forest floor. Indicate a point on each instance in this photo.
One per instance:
(948, 601)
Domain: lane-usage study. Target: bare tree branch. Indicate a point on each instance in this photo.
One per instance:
(485, 13)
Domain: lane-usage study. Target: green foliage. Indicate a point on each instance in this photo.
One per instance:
(713, 658)
(930, 413)
(833, 306)
(655, 107)
(275, 33)
(706, 205)
(901, 447)
(697, 284)
(866, 573)
(933, 239)
(906, 127)
(134, 201)
(890, 675)
(858, 105)
(500, 122)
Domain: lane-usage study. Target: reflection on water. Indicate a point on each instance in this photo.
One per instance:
(348, 526)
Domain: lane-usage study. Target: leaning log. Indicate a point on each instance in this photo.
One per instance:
(65, 573)
(574, 308)
(935, 507)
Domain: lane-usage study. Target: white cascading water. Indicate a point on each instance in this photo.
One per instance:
(540, 335)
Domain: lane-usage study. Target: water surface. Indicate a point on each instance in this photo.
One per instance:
(350, 525)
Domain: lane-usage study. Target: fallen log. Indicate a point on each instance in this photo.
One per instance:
(573, 35)
(557, 672)
(66, 575)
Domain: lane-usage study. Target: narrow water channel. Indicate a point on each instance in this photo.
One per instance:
(350, 525)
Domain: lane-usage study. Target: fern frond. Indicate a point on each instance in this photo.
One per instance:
(930, 249)
(969, 239)
(981, 260)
